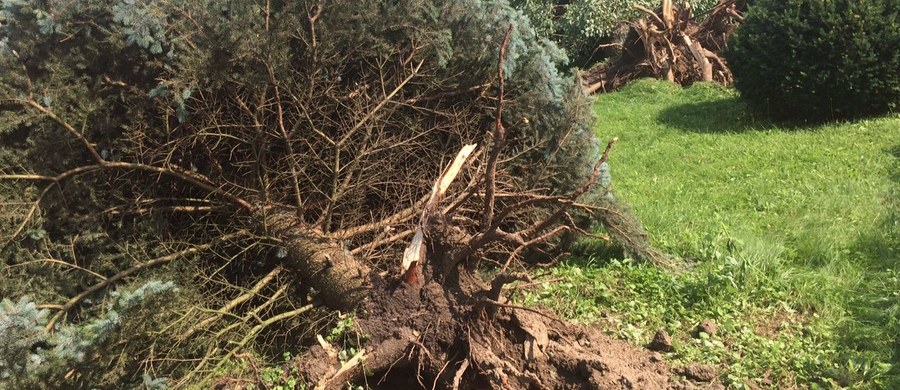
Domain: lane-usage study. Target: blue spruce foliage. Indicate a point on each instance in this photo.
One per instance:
(29, 355)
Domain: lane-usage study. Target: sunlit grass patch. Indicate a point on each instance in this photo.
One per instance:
(791, 236)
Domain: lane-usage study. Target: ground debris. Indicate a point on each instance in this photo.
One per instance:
(699, 372)
(432, 338)
(706, 326)
(661, 342)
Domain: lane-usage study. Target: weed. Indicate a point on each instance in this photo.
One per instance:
(275, 377)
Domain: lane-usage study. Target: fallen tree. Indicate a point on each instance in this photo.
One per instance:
(669, 43)
(283, 164)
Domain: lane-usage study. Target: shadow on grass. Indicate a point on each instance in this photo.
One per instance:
(734, 115)
(729, 115)
(881, 246)
(595, 253)
(875, 306)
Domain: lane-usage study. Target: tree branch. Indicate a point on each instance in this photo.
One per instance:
(498, 141)
(127, 272)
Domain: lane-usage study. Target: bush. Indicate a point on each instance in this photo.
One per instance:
(814, 60)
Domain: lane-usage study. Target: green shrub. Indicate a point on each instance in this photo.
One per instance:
(815, 60)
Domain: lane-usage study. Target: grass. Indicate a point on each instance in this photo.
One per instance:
(792, 236)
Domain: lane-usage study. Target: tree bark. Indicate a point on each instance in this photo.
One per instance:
(341, 280)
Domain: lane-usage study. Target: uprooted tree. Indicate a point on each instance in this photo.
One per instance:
(287, 160)
(672, 43)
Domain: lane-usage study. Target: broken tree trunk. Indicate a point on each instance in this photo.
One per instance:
(670, 44)
(706, 69)
(341, 280)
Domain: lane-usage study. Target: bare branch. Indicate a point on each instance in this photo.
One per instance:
(77, 134)
(381, 104)
(398, 218)
(234, 302)
(127, 272)
(498, 141)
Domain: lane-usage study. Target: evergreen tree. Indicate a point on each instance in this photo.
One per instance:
(284, 148)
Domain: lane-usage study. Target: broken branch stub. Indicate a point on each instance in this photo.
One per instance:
(415, 252)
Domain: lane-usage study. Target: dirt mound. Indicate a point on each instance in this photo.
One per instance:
(459, 338)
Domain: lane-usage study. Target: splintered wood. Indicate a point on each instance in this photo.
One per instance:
(415, 252)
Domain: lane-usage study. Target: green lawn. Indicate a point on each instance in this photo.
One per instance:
(790, 238)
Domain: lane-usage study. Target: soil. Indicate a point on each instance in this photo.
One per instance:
(661, 342)
(778, 323)
(699, 372)
(706, 326)
(454, 337)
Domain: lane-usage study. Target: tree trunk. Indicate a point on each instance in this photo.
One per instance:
(340, 279)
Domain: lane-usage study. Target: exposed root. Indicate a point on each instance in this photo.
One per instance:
(670, 44)
(436, 338)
